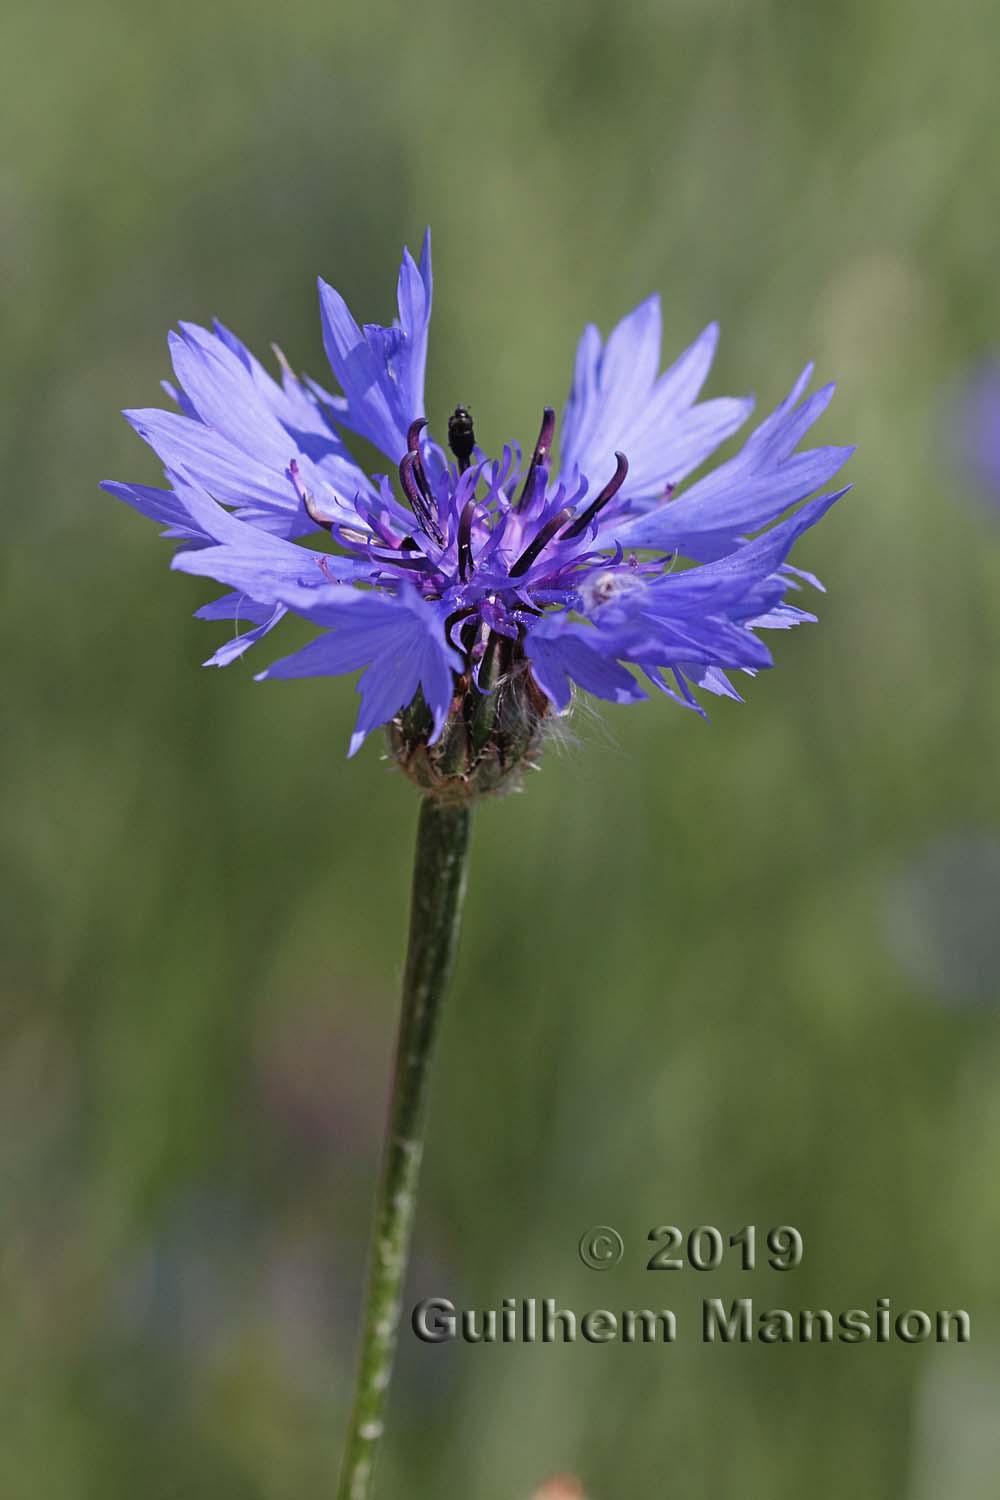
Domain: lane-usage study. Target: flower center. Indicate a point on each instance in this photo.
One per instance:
(531, 507)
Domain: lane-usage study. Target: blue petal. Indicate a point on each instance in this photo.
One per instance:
(619, 404)
(398, 639)
(231, 650)
(235, 606)
(159, 505)
(226, 473)
(763, 480)
(381, 369)
(560, 650)
(239, 431)
(694, 623)
(246, 557)
(731, 580)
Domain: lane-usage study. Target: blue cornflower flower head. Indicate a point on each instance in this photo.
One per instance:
(976, 423)
(476, 592)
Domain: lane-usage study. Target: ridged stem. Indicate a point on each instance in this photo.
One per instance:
(439, 873)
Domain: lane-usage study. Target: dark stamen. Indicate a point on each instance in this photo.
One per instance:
(609, 492)
(461, 436)
(465, 614)
(465, 541)
(411, 561)
(541, 454)
(419, 502)
(419, 472)
(541, 541)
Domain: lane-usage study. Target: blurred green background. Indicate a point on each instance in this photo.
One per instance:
(710, 974)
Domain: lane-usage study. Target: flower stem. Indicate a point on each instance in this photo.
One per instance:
(439, 872)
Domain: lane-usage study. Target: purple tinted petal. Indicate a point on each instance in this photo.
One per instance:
(560, 651)
(231, 650)
(618, 404)
(330, 655)
(726, 582)
(610, 386)
(712, 679)
(398, 639)
(764, 479)
(413, 298)
(231, 476)
(235, 606)
(264, 574)
(226, 397)
(680, 385)
(159, 505)
(179, 399)
(381, 369)
(685, 698)
(678, 448)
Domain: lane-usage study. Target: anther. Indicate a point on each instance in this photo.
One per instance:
(461, 436)
(419, 502)
(460, 617)
(419, 472)
(609, 492)
(543, 448)
(465, 541)
(541, 541)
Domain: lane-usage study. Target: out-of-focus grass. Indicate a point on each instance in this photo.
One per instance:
(675, 1001)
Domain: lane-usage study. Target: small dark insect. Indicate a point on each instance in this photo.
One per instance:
(461, 437)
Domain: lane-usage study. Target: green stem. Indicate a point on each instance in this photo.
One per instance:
(439, 871)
